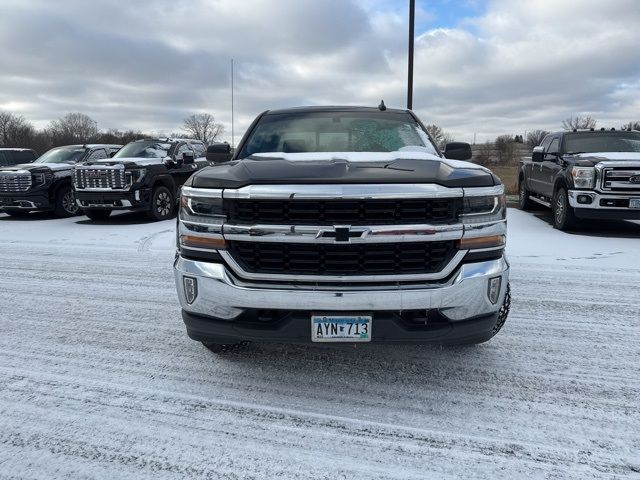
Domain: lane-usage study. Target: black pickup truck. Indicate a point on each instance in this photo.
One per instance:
(144, 176)
(45, 184)
(584, 175)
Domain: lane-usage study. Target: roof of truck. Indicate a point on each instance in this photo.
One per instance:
(335, 108)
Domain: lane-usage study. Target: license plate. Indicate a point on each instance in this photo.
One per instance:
(634, 203)
(341, 328)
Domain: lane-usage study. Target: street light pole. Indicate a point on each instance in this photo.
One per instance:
(412, 20)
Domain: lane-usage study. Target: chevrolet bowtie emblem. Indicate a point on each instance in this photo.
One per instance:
(341, 234)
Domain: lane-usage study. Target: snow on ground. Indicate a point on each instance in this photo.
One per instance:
(99, 380)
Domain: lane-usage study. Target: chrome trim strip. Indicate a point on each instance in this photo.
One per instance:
(238, 270)
(314, 234)
(541, 202)
(346, 191)
(483, 191)
(201, 192)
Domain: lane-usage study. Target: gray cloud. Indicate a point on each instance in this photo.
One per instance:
(148, 64)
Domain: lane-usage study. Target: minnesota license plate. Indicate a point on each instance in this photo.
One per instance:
(634, 203)
(341, 328)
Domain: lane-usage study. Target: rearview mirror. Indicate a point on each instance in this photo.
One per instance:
(458, 151)
(538, 154)
(219, 152)
(188, 158)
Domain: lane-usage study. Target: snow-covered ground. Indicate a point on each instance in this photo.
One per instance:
(99, 380)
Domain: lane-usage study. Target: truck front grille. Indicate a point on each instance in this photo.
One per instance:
(348, 212)
(15, 182)
(621, 179)
(332, 259)
(99, 178)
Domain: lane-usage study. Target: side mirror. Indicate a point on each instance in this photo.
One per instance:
(538, 154)
(219, 152)
(188, 158)
(170, 163)
(458, 151)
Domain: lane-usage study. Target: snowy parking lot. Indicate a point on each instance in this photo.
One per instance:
(99, 380)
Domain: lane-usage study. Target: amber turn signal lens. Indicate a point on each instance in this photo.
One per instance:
(203, 242)
(481, 242)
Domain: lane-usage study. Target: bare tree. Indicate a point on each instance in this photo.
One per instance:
(483, 157)
(73, 128)
(505, 148)
(535, 137)
(631, 126)
(439, 136)
(579, 121)
(15, 130)
(202, 126)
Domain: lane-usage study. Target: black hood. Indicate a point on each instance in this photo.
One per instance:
(38, 167)
(274, 171)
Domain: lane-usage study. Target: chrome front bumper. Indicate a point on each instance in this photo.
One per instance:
(597, 197)
(221, 296)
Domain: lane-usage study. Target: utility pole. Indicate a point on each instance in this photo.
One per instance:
(232, 132)
(412, 21)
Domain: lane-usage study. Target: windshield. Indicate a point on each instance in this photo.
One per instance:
(602, 142)
(336, 132)
(61, 155)
(145, 149)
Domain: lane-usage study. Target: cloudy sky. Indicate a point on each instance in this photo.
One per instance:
(489, 67)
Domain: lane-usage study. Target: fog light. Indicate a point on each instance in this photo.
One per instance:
(493, 291)
(190, 289)
(584, 199)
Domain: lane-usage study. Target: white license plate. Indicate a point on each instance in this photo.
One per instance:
(634, 203)
(340, 328)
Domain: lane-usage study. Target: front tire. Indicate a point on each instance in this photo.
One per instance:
(162, 204)
(564, 217)
(94, 214)
(66, 205)
(524, 202)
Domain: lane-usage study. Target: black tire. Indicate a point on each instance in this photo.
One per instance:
(503, 313)
(16, 212)
(524, 202)
(95, 214)
(66, 205)
(564, 218)
(224, 347)
(162, 204)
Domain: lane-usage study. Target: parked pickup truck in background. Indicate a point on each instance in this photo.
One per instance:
(584, 174)
(45, 184)
(342, 224)
(16, 156)
(144, 176)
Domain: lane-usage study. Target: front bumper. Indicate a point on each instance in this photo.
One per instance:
(604, 206)
(139, 199)
(26, 200)
(223, 304)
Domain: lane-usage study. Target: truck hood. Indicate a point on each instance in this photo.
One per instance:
(38, 167)
(591, 159)
(339, 168)
(131, 162)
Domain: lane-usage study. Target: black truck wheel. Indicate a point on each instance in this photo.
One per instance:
(95, 214)
(16, 212)
(564, 218)
(66, 205)
(162, 204)
(524, 202)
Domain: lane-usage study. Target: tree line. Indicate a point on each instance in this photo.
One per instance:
(78, 128)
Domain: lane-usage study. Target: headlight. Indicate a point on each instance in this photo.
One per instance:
(483, 209)
(39, 179)
(583, 177)
(136, 174)
(201, 218)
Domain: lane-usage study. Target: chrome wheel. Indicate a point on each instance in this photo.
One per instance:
(561, 208)
(163, 204)
(69, 203)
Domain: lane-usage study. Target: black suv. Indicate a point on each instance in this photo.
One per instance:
(144, 176)
(45, 184)
(16, 156)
